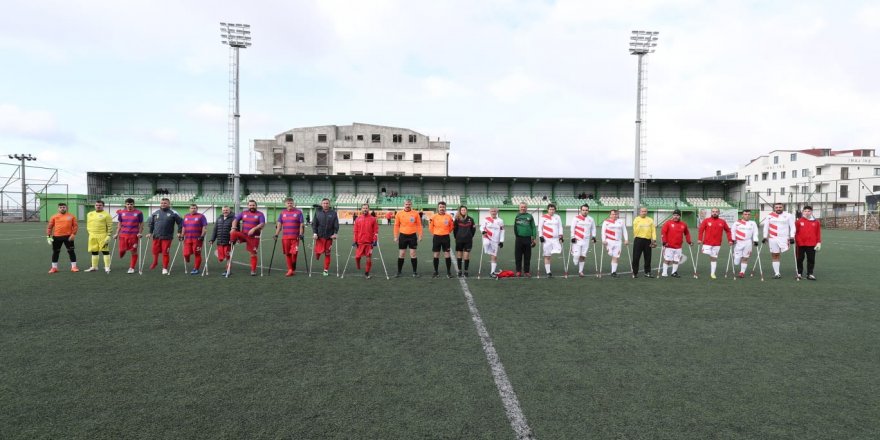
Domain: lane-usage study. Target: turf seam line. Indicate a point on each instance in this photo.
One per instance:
(502, 382)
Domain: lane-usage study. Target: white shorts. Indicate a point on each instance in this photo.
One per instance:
(742, 249)
(552, 246)
(613, 248)
(490, 247)
(711, 251)
(673, 255)
(778, 245)
(581, 248)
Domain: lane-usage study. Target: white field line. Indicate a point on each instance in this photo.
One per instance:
(23, 238)
(505, 389)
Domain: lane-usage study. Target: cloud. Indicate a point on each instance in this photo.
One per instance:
(165, 135)
(441, 88)
(500, 79)
(869, 17)
(16, 122)
(515, 87)
(209, 112)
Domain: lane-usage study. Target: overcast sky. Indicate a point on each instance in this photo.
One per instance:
(519, 88)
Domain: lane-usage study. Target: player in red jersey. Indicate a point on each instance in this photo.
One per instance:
(709, 236)
(195, 227)
(366, 235)
(246, 228)
(672, 235)
(808, 239)
(129, 230)
(291, 227)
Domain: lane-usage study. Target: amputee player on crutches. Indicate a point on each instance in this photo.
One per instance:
(246, 228)
(709, 236)
(195, 227)
(290, 226)
(583, 233)
(745, 234)
(129, 230)
(366, 236)
(325, 226)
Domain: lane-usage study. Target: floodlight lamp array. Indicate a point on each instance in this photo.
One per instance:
(236, 34)
(643, 42)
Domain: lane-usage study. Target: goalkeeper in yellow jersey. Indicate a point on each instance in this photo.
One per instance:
(99, 223)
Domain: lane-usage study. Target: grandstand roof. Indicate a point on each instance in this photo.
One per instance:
(337, 178)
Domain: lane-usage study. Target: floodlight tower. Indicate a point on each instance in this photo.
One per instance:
(23, 158)
(236, 36)
(641, 43)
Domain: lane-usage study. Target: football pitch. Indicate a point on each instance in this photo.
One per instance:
(94, 355)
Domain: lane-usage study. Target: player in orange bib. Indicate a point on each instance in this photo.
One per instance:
(407, 235)
(61, 232)
(440, 226)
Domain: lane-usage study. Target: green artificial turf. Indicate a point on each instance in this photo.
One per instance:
(92, 355)
(685, 358)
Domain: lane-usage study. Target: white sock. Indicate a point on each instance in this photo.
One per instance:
(73, 264)
(743, 267)
(675, 268)
(665, 268)
(613, 267)
(54, 265)
(546, 268)
(494, 266)
(712, 265)
(736, 261)
(580, 267)
(776, 267)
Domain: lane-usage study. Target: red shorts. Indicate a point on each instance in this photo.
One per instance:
(222, 252)
(323, 246)
(289, 246)
(161, 245)
(128, 243)
(252, 242)
(192, 246)
(365, 249)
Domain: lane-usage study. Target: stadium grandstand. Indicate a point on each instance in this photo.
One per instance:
(388, 193)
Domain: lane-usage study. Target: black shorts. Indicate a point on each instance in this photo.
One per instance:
(407, 241)
(441, 243)
(464, 245)
(62, 240)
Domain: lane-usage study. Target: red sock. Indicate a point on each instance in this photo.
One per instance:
(357, 262)
(289, 262)
(293, 261)
(134, 260)
(155, 261)
(326, 262)
(253, 263)
(198, 261)
(164, 261)
(369, 264)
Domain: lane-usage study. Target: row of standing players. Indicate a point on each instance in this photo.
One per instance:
(780, 231)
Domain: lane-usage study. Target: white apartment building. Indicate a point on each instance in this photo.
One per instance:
(357, 149)
(830, 180)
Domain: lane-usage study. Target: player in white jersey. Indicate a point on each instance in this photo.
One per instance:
(583, 231)
(613, 232)
(492, 228)
(550, 231)
(745, 233)
(779, 234)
